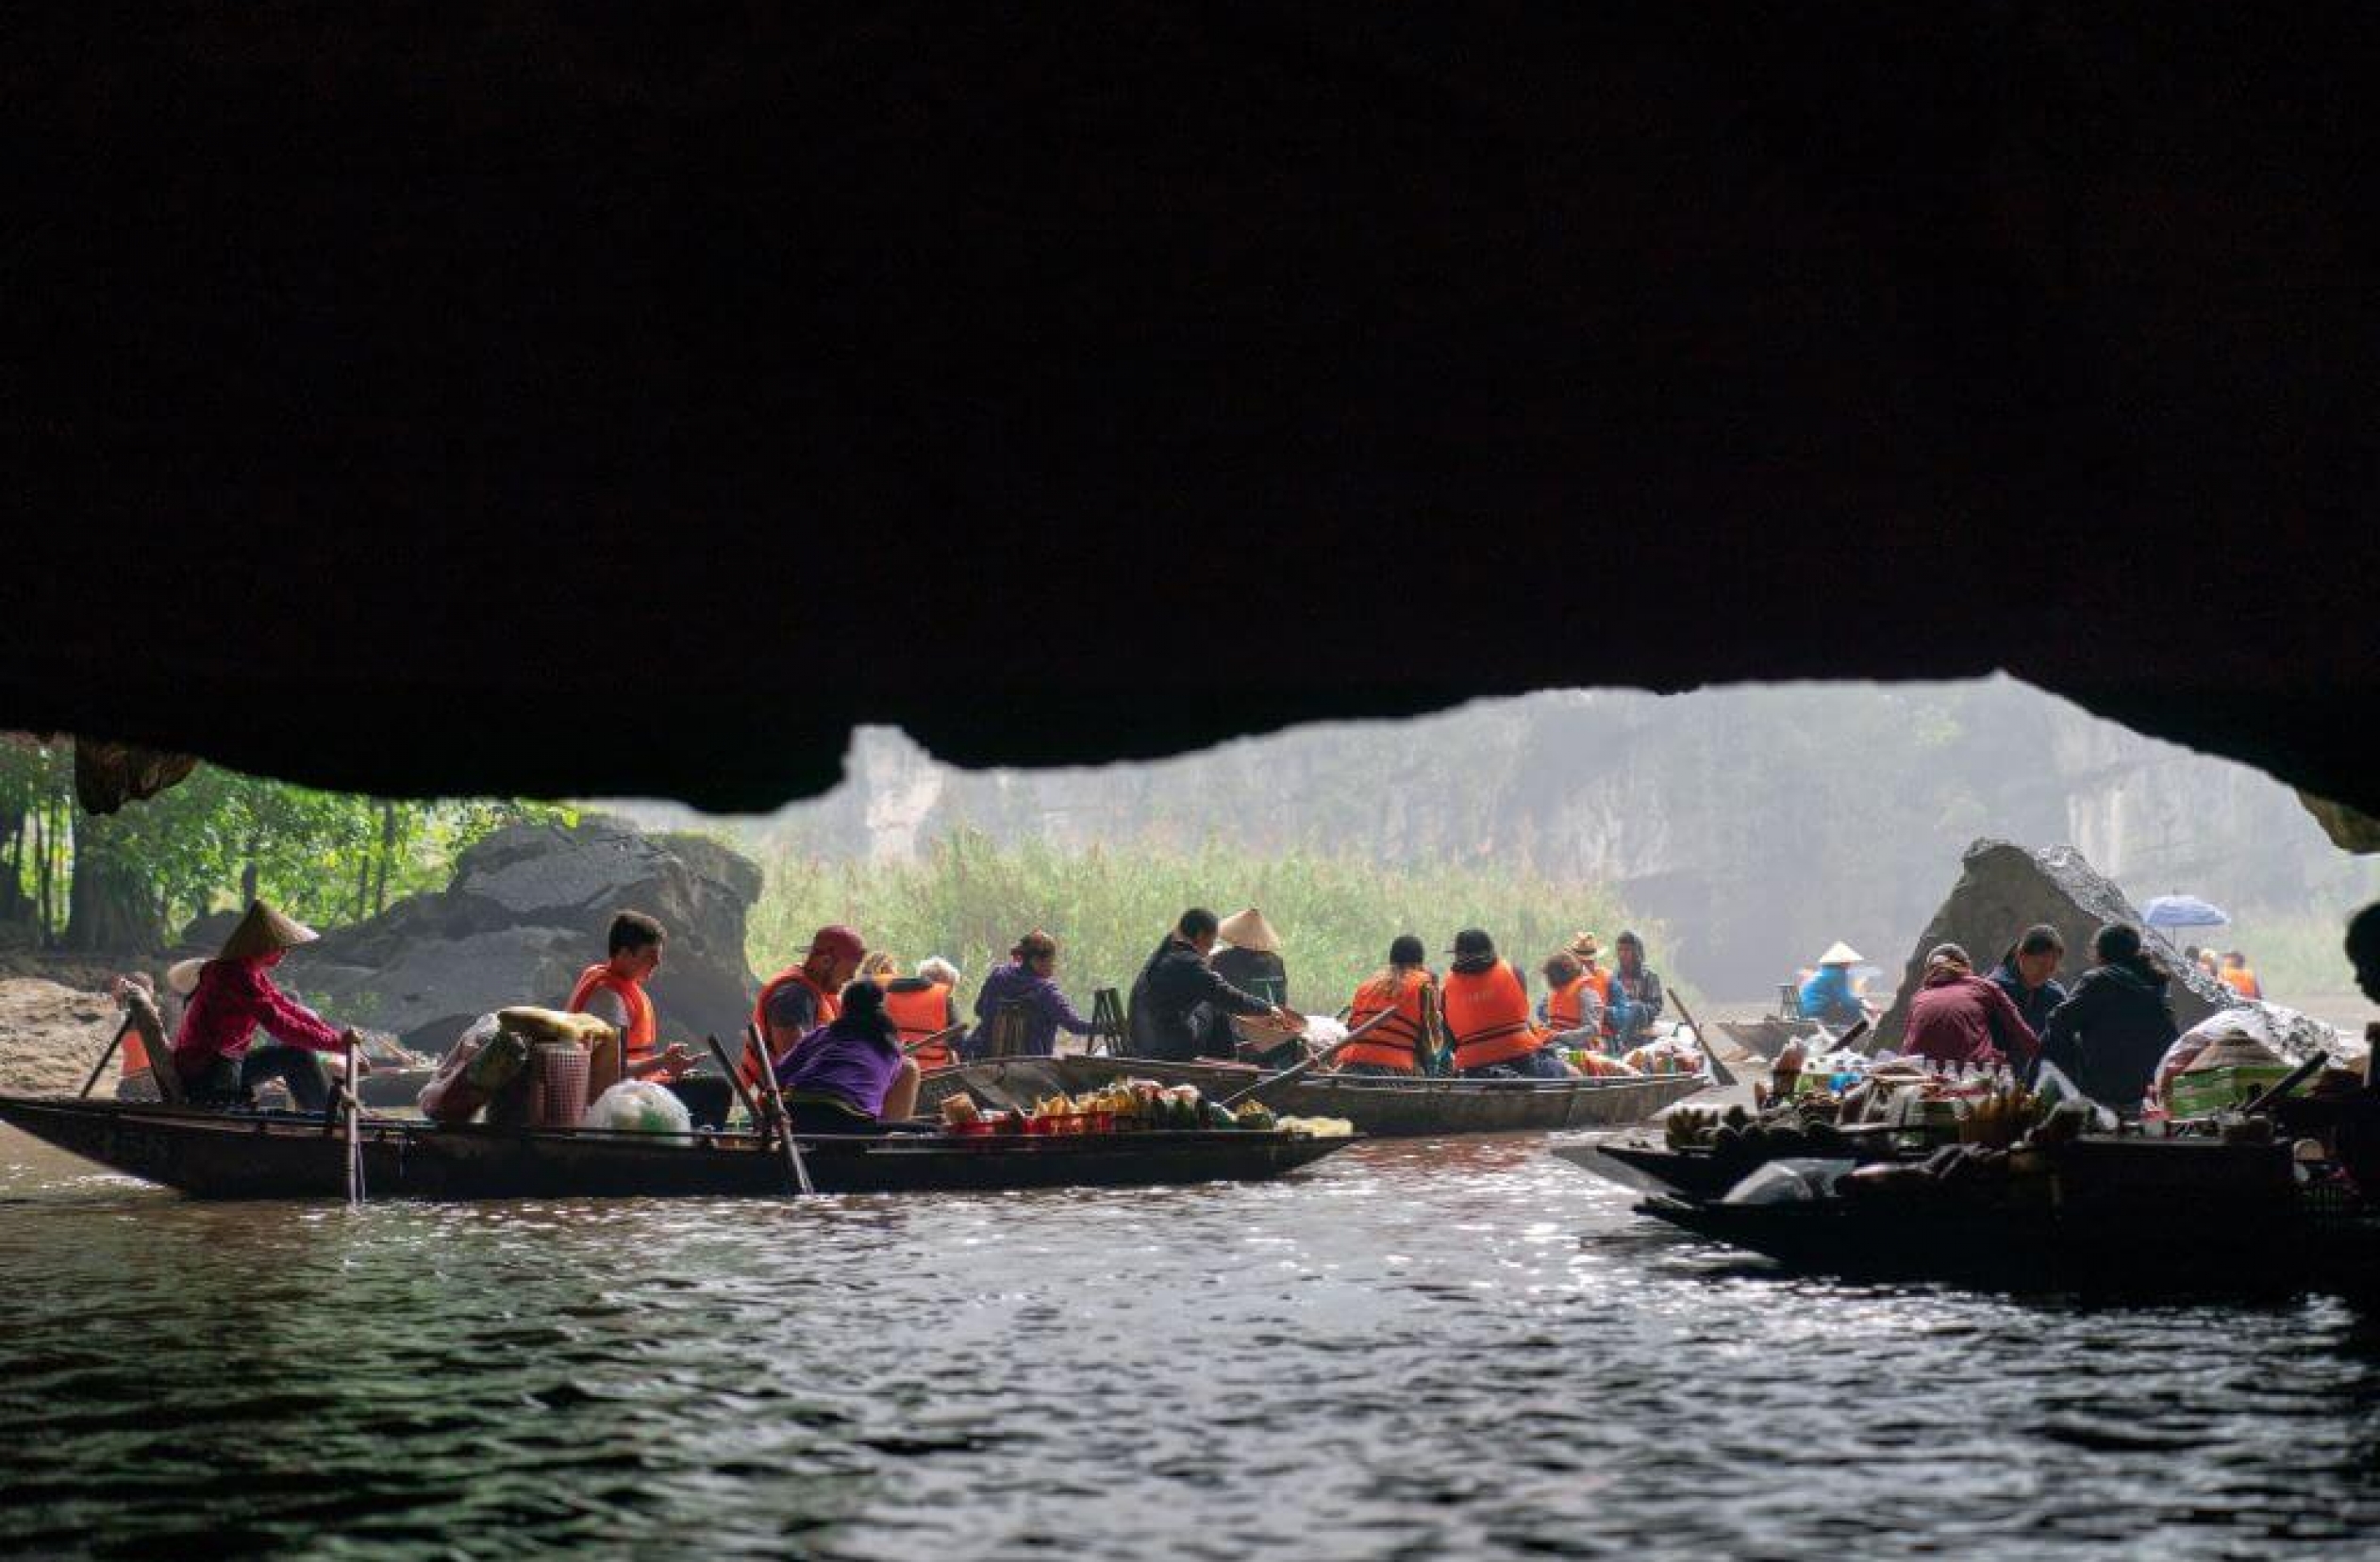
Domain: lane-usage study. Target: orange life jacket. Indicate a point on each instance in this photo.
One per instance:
(918, 1013)
(830, 1009)
(1600, 981)
(2241, 980)
(1563, 1009)
(645, 1030)
(136, 1056)
(1488, 1017)
(1391, 1046)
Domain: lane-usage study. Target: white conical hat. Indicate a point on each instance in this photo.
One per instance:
(1840, 952)
(1249, 930)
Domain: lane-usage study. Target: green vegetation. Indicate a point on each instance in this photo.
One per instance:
(69, 880)
(970, 899)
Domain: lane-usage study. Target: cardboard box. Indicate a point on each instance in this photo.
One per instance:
(2202, 1092)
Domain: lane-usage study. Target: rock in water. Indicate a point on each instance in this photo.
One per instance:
(2003, 888)
(525, 912)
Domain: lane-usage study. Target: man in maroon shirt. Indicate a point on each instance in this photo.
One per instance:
(1957, 1016)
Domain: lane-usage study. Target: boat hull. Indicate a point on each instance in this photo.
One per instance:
(2045, 1249)
(219, 1155)
(1377, 1107)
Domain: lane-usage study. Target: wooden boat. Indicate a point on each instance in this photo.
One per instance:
(283, 1155)
(1378, 1107)
(386, 1089)
(2035, 1249)
(1765, 1037)
(1650, 1166)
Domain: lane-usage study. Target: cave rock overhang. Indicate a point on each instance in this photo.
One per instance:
(633, 401)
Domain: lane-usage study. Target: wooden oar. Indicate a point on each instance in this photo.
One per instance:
(760, 1045)
(1298, 1071)
(355, 1132)
(940, 1037)
(1720, 1074)
(101, 1067)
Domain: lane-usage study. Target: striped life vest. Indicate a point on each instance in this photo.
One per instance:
(1394, 1043)
(644, 1028)
(1488, 1017)
(918, 1013)
(829, 1009)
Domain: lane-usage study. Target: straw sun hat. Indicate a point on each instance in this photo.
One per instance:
(263, 931)
(1249, 930)
(1840, 953)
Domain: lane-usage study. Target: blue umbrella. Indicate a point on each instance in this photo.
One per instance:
(2182, 911)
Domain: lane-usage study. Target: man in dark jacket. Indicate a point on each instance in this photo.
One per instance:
(2110, 1035)
(1178, 1003)
(2028, 974)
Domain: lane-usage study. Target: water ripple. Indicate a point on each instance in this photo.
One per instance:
(1417, 1350)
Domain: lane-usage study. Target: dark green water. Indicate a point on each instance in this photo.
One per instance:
(1414, 1350)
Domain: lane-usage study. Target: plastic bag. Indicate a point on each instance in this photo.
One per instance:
(1796, 1179)
(2052, 1088)
(641, 1106)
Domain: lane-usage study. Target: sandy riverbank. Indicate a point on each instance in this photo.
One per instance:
(50, 1035)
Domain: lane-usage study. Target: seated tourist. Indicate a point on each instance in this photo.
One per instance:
(2112, 1031)
(613, 992)
(1030, 979)
(234, 999)
(1571, 1011)
(1410, 1041)
(1959, 1019)
(1487, 1014)
(848, 1076)
(924, 1006)
(799, 999)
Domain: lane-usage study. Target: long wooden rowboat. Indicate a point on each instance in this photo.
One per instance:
(276, 1156)
(1378, 1107)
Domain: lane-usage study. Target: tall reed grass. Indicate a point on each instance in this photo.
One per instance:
(969, 899)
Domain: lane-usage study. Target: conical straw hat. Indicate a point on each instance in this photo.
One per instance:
(1249, 930)
(1840, 953)
(264, 930)
(182, 977)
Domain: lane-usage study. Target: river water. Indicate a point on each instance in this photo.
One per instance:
(1413, 1350)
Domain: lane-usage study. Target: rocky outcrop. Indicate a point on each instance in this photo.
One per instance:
(2003, 888)
(1758, 825)
(525, 912)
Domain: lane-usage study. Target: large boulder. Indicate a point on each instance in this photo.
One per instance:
(2003, 888)
(525, 912)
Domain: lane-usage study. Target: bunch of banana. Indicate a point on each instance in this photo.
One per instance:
(1684, 1127)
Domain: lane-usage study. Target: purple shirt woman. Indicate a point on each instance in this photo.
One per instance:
(1030, 980)
(849, 1077)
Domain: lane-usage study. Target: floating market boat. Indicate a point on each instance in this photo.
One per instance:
(1378, 1107)
(284, 1155)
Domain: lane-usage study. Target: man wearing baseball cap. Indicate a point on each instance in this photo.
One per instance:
(801, 998)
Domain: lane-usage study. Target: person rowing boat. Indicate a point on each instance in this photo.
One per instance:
(234, 997)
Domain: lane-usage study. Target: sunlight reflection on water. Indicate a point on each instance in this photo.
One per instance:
(1415, 1349)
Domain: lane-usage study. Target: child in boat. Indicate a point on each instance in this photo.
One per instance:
(848, 1076)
